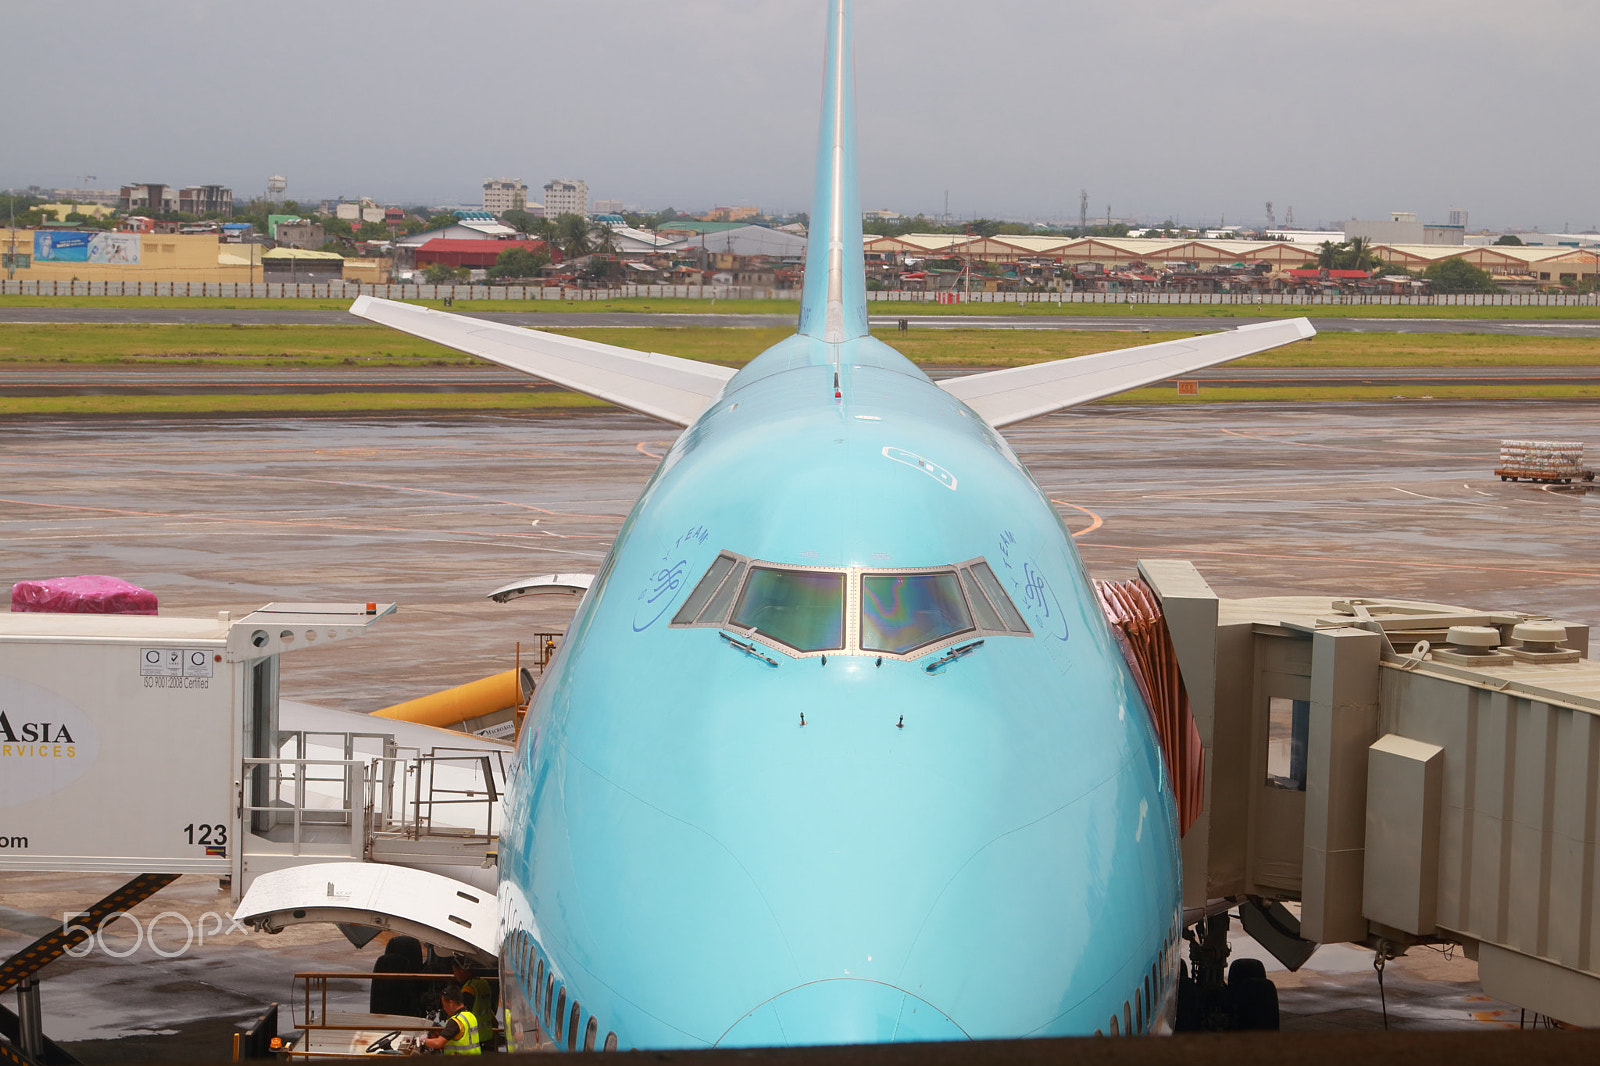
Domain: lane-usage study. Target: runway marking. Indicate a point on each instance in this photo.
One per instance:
(1347, 560)
(1095, 524)
(362, 485)
(1418, 495)
(641, 448)
(1340, 447)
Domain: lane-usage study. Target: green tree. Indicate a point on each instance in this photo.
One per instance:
(603, 240)
(519, 220)
(1456, 275)
(519, 263)
(572, 235)
(1510, 239)
(440, 274)
(1354, 254)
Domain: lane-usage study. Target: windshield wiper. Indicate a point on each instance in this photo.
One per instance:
(952, 655)
(748, 649)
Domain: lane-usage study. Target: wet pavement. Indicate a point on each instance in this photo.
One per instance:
(1393, 499)
(1371, 500)
(555, 319)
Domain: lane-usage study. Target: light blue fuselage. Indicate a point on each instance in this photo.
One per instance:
(695, 866)
(985, 849)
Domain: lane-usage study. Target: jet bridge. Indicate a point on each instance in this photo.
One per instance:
(1406, 772)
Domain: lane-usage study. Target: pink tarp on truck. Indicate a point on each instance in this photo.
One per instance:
(84, 594)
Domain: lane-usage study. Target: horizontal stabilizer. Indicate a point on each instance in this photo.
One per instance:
(661, 386)
(1006, 396)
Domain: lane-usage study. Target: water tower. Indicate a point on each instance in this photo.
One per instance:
(276, 186)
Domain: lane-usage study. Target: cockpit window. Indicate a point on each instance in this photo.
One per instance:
(717, 579)
(894, 613)
(803, 609)
(902, 612)
(997, 596)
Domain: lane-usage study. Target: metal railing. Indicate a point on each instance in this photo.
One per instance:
(334, 805)
(286, 803)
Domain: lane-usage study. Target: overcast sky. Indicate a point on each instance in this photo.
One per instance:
(1188, 109)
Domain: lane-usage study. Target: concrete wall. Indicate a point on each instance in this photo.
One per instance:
(162, 257)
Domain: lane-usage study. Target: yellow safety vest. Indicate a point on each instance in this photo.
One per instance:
(466, 1038)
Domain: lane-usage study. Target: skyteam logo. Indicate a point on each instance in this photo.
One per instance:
(46, 743)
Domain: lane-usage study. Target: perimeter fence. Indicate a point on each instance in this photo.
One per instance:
(337, 290)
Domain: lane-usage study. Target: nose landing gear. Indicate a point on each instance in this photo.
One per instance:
(1213, 995)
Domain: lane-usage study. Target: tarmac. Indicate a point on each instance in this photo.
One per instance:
(1131, 322)
(1370, 500)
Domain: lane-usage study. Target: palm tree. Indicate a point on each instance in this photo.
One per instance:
(572, 234)
(603, 239)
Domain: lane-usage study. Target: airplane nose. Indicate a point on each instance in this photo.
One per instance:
(841, 1011)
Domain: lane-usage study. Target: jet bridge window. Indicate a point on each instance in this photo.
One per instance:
(1288, 729)
(803, 609)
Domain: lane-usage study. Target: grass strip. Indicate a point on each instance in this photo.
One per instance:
(26, 346)
(316, 403)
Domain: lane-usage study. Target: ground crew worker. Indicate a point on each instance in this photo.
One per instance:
(480, 998)
(459, 1036)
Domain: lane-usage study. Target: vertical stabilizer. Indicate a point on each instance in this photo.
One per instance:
(833, 305)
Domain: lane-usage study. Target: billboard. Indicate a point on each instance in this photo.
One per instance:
(77, 246)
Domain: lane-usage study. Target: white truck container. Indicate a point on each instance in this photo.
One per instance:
(123, 737)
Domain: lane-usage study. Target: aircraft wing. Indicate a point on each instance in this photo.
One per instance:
(1006, 396)
(662, 386)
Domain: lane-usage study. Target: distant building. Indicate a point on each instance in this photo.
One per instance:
(60, 211)
(1458, 217)
(505, 194)
(461, 230)
(475, 255)
(1402, 227)
(206, 200)
(609, 207)
(104, 197)
(566, 197)
(148, 196)
(296, 264)
(731, 214)
(365, 211)
(301, 233)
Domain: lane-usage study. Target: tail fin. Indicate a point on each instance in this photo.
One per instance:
(833, 304)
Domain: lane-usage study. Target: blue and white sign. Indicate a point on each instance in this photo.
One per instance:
(77, 246)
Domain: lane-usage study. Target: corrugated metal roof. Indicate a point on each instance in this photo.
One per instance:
(445, 244)
(746, 240)
(299, 253)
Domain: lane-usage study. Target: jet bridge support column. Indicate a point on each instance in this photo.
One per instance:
(1343, 724)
